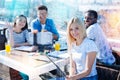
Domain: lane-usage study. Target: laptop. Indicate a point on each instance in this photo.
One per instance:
(60, 71)
(42, 38)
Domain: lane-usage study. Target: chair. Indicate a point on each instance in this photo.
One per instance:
(14, 75)
(117, 57)
(2, 39)
(109, 72)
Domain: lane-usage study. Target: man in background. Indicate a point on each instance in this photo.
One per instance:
(95, 33)
(44, 24)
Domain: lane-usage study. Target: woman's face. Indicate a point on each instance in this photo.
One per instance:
(75, 31)
(21, 22)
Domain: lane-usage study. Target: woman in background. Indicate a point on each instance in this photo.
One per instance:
(83, 52)
(19, 32)
(18, 36)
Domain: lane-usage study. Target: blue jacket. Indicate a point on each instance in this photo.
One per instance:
(49, 26)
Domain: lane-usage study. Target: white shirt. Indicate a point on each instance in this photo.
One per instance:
(79, 55)
(95, 33)
(43, 26)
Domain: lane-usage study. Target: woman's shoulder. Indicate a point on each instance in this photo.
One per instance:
(90, 45)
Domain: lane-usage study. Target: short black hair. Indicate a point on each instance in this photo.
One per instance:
(93, 12)
(42, 7)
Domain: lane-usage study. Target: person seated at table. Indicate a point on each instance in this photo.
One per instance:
(95, 33)
(42, 23)
(18, 35)
(83, 52)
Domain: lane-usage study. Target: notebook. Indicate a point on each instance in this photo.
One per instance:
(24, 48)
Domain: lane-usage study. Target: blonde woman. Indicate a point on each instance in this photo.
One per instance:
(83, 52)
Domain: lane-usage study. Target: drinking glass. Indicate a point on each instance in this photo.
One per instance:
(8, 48)
(57, 46)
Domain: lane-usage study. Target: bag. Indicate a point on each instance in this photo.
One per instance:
(2, 39)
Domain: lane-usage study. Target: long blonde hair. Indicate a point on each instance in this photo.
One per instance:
(70, 39)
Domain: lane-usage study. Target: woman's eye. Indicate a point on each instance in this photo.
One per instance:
(76, 28)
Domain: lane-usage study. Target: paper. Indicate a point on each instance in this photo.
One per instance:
(44, 59)
(59, 54)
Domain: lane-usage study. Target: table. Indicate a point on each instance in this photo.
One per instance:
(26, 63)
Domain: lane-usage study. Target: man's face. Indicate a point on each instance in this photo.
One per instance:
(42, 14)
(89, 19)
